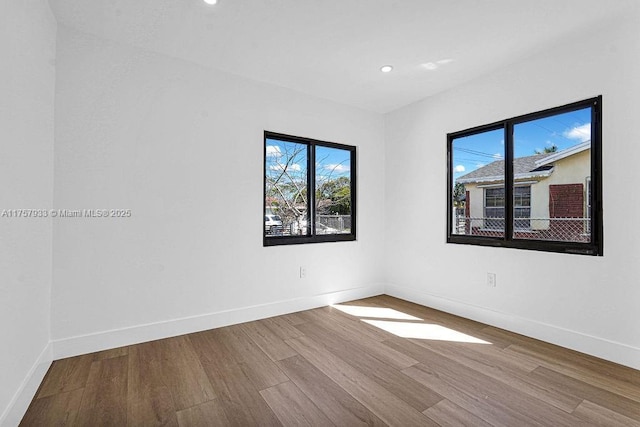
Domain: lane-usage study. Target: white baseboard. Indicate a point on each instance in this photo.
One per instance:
(104, 340)
(595, 346)
(18, 405)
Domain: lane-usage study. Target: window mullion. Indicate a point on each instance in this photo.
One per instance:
(508, 181)
(311, 188)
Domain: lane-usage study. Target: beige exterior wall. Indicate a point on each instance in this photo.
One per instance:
(477, 200)
(571, 170)
(540, 204)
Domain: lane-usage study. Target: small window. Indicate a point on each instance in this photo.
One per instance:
(494, 210)
(530, 182)
(309, 190)
(522, 208)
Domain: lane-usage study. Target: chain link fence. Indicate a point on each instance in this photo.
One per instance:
(333, 224)
(552, 229)
(325, 224)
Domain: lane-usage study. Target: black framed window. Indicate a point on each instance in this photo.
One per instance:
(309, 190)
(529, 182)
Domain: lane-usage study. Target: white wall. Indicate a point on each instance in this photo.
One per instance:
(182, 147)
(27, 78)
(582, 302)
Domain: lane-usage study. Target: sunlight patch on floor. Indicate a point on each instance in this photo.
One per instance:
(375, 312)
(424, 331)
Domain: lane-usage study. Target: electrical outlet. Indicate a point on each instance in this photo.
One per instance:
(491, 280)
(303, 272)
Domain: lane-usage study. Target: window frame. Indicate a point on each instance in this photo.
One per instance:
(588, 203)
(595, 247)
(269, 240)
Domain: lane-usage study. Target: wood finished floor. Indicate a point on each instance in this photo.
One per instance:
(326, 367)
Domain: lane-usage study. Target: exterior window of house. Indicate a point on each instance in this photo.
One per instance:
(522, 208)
(309, 190)
(494, 209)
(529, 182)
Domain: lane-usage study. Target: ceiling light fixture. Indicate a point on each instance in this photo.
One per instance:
(211, 2)
(386, 68)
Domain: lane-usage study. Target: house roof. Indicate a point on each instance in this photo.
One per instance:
(523, 167)
(553, 157)
(529, 167)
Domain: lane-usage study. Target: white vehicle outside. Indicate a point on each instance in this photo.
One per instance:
(273, 224)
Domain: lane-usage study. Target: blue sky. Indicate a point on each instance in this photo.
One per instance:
(562, 130)
(330, 162)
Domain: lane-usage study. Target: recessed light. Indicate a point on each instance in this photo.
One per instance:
(430, 65)
(211, 2)
(386, 68)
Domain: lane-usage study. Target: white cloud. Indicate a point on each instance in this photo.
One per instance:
(581, 133)
(459, 168)
(273, 151)
(339, 168)
(497, 156)
(479, 165)
(280, 167)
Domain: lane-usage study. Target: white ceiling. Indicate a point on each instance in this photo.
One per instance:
(334, 48)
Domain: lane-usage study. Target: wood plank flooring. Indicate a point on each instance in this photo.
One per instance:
(377, 361)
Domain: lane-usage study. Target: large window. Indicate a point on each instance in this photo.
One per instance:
(530, 182)
(309, 190)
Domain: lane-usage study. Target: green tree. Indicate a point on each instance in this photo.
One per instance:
(458, 195)
(333, 197)
(548, 150)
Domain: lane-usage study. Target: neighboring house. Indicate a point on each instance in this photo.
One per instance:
(551, 194)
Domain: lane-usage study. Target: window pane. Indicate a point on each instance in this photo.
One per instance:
(333, 191)
(552, 159)
(478, 172)
(494, 209)
(522, 208)
(286, 189)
